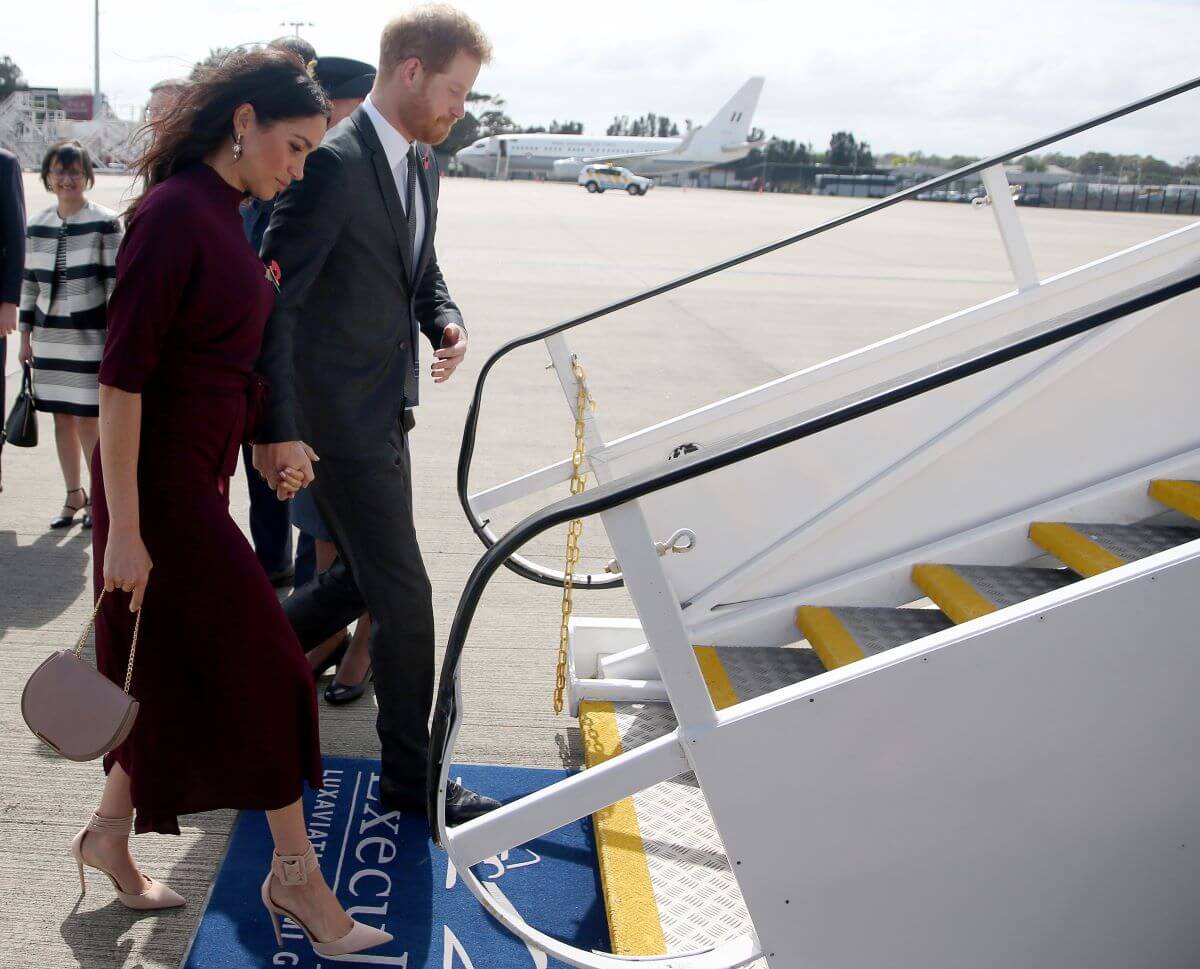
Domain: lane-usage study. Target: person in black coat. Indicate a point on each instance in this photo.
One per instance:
(360, 284)
(12, 260)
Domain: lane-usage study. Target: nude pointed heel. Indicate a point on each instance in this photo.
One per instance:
(294, 870)
(156, 896)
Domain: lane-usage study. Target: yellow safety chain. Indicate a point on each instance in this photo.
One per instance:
(583, 400)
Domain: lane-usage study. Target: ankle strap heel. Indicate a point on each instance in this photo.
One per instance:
(294, 869)
(110, 825)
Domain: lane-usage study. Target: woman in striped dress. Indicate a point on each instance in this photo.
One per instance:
(70, 268)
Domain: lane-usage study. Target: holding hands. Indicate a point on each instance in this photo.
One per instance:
(286, 466)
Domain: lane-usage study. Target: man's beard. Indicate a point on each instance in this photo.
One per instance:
(420, 121)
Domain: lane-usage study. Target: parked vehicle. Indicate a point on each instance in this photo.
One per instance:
(600, 178)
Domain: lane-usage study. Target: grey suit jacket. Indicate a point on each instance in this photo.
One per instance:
(340, 349)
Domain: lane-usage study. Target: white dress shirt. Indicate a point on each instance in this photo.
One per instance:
(396, 146)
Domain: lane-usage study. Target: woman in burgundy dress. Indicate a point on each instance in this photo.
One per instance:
(228, 715)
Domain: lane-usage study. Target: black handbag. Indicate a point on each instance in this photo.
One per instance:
(21, 429)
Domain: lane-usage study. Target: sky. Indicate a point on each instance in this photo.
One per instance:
(943, 77)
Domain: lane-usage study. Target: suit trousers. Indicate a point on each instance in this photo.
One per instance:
(367, 504)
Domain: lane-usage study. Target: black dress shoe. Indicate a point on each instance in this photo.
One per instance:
(337, 692)
(462, 804)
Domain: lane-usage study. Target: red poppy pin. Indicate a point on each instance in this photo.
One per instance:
(273, 275)
(425, 161)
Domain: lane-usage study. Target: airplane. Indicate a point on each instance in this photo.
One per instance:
(722, 140)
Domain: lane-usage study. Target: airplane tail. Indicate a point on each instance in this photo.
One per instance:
(729, 128)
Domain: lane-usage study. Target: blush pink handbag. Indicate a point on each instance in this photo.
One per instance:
(74, 708)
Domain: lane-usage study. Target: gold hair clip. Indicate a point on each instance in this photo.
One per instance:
(311, 67)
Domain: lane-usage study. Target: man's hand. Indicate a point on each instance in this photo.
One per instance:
(8, 319)
(25, 354)
(285, 466)
(447, 359)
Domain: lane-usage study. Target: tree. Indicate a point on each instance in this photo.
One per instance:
(647, 126)
(496, 122)
(468, 127)
(847, 152)
(566, 128)
(11, 78)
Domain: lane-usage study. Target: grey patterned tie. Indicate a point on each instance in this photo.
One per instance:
(410, 211)
(410, 206)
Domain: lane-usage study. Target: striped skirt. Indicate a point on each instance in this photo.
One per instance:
(66, 357)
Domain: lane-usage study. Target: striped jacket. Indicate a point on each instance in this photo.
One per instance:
(93, 235)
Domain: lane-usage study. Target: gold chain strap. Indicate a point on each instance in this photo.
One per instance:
(137, 625)
(583, 401)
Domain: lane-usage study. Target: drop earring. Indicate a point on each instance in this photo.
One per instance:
(237, 147)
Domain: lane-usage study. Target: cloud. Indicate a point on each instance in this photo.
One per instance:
(937, 76)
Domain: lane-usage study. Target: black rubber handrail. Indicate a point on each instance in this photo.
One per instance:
(642, 483)
(536, 573)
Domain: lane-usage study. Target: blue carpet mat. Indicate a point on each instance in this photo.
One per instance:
(387, 873)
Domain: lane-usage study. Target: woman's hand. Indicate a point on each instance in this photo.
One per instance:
(25, 354)
(291, 480)
(127, 566)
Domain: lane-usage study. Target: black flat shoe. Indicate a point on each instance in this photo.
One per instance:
(338, 693)
(462, 804)
(332, 660)
(66, 521)
(283, 579)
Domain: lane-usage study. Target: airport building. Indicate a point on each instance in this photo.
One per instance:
(33, 119)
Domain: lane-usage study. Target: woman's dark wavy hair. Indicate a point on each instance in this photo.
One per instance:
(275, 82)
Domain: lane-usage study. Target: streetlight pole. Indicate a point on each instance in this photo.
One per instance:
(96, 55)
(296, 24)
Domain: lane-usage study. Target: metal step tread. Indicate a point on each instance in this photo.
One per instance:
(1094, 547)
(667, 884)
(966, 592)
(845, 634)
(1183, 496)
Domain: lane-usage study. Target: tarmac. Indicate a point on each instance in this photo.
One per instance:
(517, 256)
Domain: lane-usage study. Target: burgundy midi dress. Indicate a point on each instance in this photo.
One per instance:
(228, 715)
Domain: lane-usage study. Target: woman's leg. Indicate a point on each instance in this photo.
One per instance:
(110, 851)
(313, 902)
(66, 438)
(88, 430)
(357, 661)
(326, 556)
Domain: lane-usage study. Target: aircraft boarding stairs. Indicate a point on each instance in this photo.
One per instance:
(913, 677)
(668, 883)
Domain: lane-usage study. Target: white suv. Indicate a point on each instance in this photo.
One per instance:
(598, 178)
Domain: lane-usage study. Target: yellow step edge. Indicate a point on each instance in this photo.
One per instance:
(830, 640)
(1183, 496)
(719, 687)
(954, 595)
(1073, 548)
(634, 926)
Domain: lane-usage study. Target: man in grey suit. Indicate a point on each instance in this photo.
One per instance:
(359, 277)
